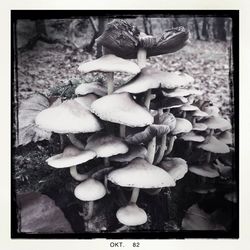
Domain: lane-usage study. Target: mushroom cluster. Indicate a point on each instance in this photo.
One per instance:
(134, 127)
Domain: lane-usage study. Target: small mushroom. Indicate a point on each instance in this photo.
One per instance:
(91, 88)
(90, 190)
(206, 170)
(226, 137)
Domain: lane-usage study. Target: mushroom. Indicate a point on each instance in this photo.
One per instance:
(178, 92)
(125, 111)
(205, 170)
(71, 157)
(232, 197)
(70, 117)
(190, 138)
(91, 88)
(90, 190)
(109, 63)
(226, 137)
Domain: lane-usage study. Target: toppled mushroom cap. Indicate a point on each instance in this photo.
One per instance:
(141, 174)
(131, 215)
(199, 126)
(226, 137)
(191, 136)
(216, 122)
(176, 167)
(71, 156)
(124, 40)
(148, 134)
(150, 78)
(109, 63)
(168, 119)
(122, 109)
(213, 145)
(90, 190)
(68, 117)
(106, 145)
(91, 88)
(182, 126)
(189, 107)
(178, 92)
(134, 152)
(86, 100)
(206, 170)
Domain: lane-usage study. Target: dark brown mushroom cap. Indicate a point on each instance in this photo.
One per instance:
(122, 109)
(212, 144)
(150, 78)
(124, 40)
(206, 170)
(134, 152)
(106, 145)
(141, 174)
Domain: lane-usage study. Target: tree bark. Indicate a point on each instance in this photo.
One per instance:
(196, 26)
(219, 29)
(205, 29)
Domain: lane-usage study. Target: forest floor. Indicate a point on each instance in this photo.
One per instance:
(50, 65)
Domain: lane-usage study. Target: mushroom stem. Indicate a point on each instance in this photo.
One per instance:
(61, 142)
(122, 131)
(90, 211)
(151, 150)
(106, 162)
(121, 229)
(76, 175)
(135, 194)
(170, 145)
(75, 141)
(209, 157)
(106, 184)
(194, 120)
(142, 58)
(110, 82)
(99, 173)
(162, 149)
(154, 192)
(184, 114)
(147, 99)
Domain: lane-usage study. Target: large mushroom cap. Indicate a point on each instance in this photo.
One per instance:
(182, 126)
(216, 122)
(198, 126)
(141, 174)
(90, 190)
(168, 119)
(226, 137)
(68, 117)
(150, 78)
(199, 113)
(176, 167)
(106, 145)
(206, 170)
(213, 145)
(91, 88)
(131, 215)
(109, 63)
(122, 109)
(71, 156)
(134, 152)
(124, 39)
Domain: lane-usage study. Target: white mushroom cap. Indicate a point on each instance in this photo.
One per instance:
(182, 92)
(213, 145)
(189, 107)
(71, 156)
(90, 190)
(88, 88)
(212, 110)
(68, 117)
(134, 152)
(86, 100)
(191, 136)
(226, 137)
(141, 174)
(182, 126)
(200, 113)
(176, 167)
(216, 122)
(109, 63)
(122, 109)
(131, 215)
(106, 145)
(198, 126)
(206, 170)
(150, 78)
